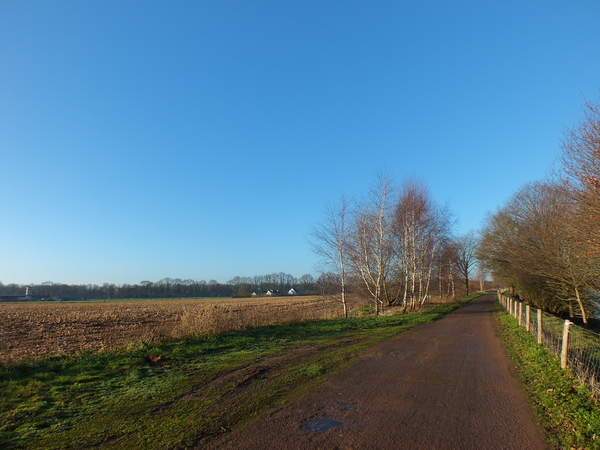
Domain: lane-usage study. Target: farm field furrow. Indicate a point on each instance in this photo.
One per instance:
(44, 329)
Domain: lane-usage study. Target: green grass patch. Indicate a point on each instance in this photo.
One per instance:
(564, 406)
(179, 394)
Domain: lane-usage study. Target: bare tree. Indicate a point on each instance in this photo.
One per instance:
(531, 244)
(551, 247)
(307, 282)
(328, 283)
(466, 247)
(330, 242)
(420, 230)
(447, 267)
(370, 246)
(389, 244)
(581, 160)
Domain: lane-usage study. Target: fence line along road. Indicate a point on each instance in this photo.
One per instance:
(577, 347)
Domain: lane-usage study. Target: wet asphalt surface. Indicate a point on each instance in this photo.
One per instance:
(444, 385)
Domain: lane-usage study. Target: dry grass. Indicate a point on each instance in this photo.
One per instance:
(432, 302)
(42, 329)
(437, 300)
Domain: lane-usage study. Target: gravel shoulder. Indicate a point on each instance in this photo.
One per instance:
(444, 385)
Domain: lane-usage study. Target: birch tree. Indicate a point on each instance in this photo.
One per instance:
(370, 246)
(389, 243)
(420, 228)
(330, 242)
(446, 268)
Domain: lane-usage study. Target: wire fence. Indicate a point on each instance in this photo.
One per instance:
(577, 347)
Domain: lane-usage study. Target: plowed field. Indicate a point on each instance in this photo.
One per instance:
(44, 329)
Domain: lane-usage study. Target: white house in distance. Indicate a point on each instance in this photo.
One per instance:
(274, 293)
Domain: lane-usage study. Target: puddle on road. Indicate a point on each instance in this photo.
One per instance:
(327, 421)
(320, 425)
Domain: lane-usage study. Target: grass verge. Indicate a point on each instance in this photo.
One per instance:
(179, 394)
(564, 406)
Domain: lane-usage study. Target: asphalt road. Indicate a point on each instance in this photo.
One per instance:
(444, 385)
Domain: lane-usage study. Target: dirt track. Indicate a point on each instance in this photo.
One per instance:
(445, 385)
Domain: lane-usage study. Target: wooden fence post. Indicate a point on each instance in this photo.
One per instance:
(520, 311)
(527, 317)
(565, 344)
(539, 318)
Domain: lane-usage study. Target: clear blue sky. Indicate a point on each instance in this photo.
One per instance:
(201, 139)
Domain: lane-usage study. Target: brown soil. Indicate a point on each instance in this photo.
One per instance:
(34, 329)
(445, 385)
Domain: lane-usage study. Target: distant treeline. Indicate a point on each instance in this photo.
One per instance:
(280, 283)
